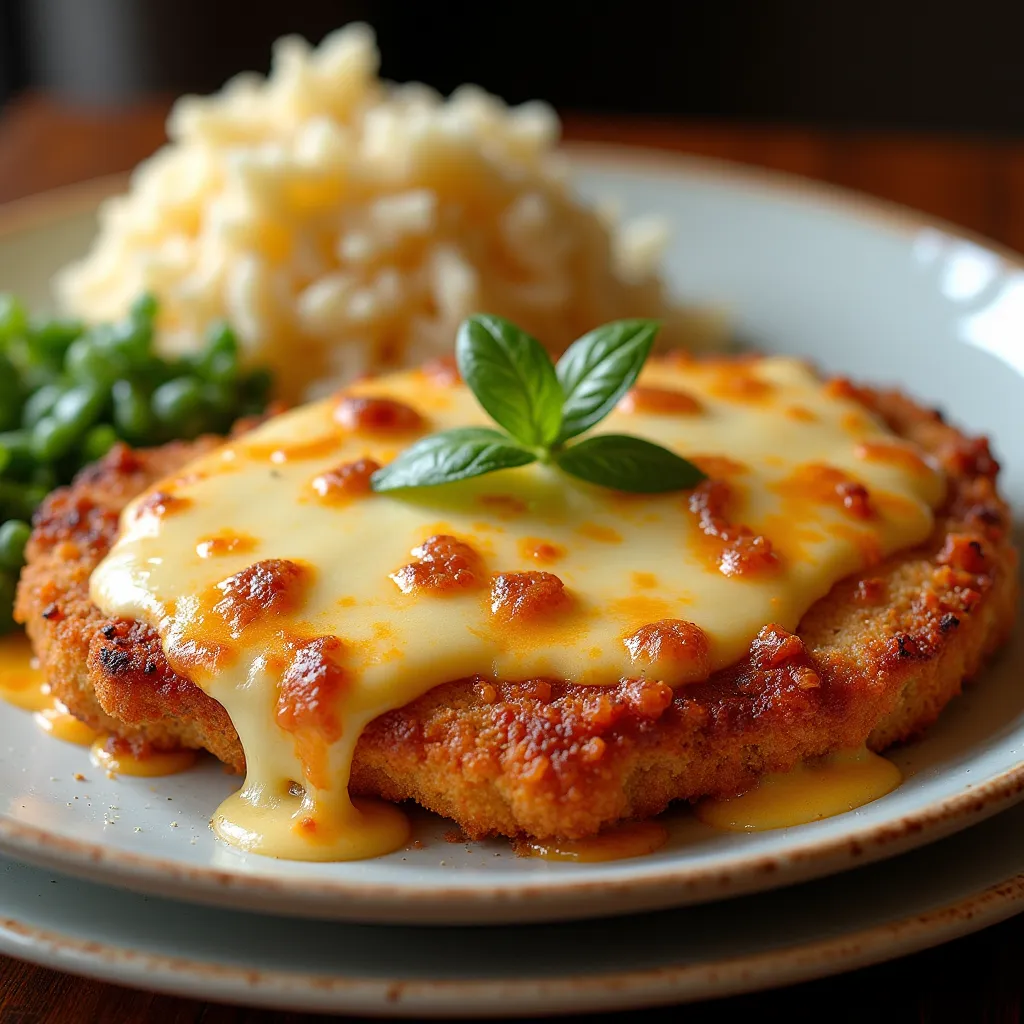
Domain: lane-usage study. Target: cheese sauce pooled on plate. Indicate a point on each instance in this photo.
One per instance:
(308, 605)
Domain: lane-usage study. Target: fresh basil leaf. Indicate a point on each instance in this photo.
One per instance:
(449, 456)
(599, 368)
(512, 376)
(628, 464)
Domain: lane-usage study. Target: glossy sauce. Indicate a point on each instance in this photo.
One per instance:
(21, 682)
(62, 725)
(819, 789)
(633, 839)
(118, 758)
(282, 825)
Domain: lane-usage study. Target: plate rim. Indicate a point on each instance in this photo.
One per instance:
(363, 900)
(572, 993)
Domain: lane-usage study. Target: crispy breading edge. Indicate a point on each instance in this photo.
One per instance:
(549, 759)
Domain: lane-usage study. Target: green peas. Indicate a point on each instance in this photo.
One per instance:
(40, 403)
(52, 337)
(133, 417)
(69, 392)
(17, 458)
(52, 438)
(179, 406)
(32, 367)
(19, 501)
(13, 317)
(87, 362)
(45, 477)
(98, 442)
(10, 395)
(80, 406)
(14, 536)
(219, 360)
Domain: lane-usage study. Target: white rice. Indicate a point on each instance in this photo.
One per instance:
(346, 225)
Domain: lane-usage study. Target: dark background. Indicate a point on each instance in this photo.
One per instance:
(837, 63)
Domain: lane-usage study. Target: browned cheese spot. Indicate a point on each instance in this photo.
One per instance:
(893, 453)
(504, 506)
(346, 481)
(828, 485)
(659, 401)
(226, 542)
(526, 596)
(161, 503)
(444, 565)
(271, 588)
(543, 551)
(364, 414)
(671, 645)
(740, 552)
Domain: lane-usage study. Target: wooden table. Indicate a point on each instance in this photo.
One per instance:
(978, 184)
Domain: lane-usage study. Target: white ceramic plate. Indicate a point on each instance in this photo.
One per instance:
(929, 896)
(859, 288)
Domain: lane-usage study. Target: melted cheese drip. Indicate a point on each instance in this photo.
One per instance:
(62, 725)
(119, 760)
(21, 682)
(626, 561)
(818, 789)
(23, 685)
(634, 839)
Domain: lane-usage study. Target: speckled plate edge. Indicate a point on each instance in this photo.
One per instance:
(628, 989)
(369, 901)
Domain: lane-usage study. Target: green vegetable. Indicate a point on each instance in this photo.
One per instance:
(13, 317)
(452, 455)
(179, 406)
(133, 417)
(596, 371)
(86, 361)
(14, 536)
(70, 392)
(40, 403)
(52, 337)
(541, 407)
(627, 464)
(98, 442)
(512, 377)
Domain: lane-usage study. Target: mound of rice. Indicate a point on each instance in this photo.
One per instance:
(346, 225)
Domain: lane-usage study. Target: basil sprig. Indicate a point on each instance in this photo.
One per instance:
(542, 407)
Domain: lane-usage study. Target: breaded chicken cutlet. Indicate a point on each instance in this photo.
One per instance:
(876, 660)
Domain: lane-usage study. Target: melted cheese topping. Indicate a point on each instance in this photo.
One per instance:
(308, 606)
(818, 789)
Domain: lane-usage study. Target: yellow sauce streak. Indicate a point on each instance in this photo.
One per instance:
(819, 789)
(284, 827)
(21, 682)
(634, 839)
(109, 756)
(62, 725)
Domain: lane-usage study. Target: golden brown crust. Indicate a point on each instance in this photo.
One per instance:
(877, 659)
